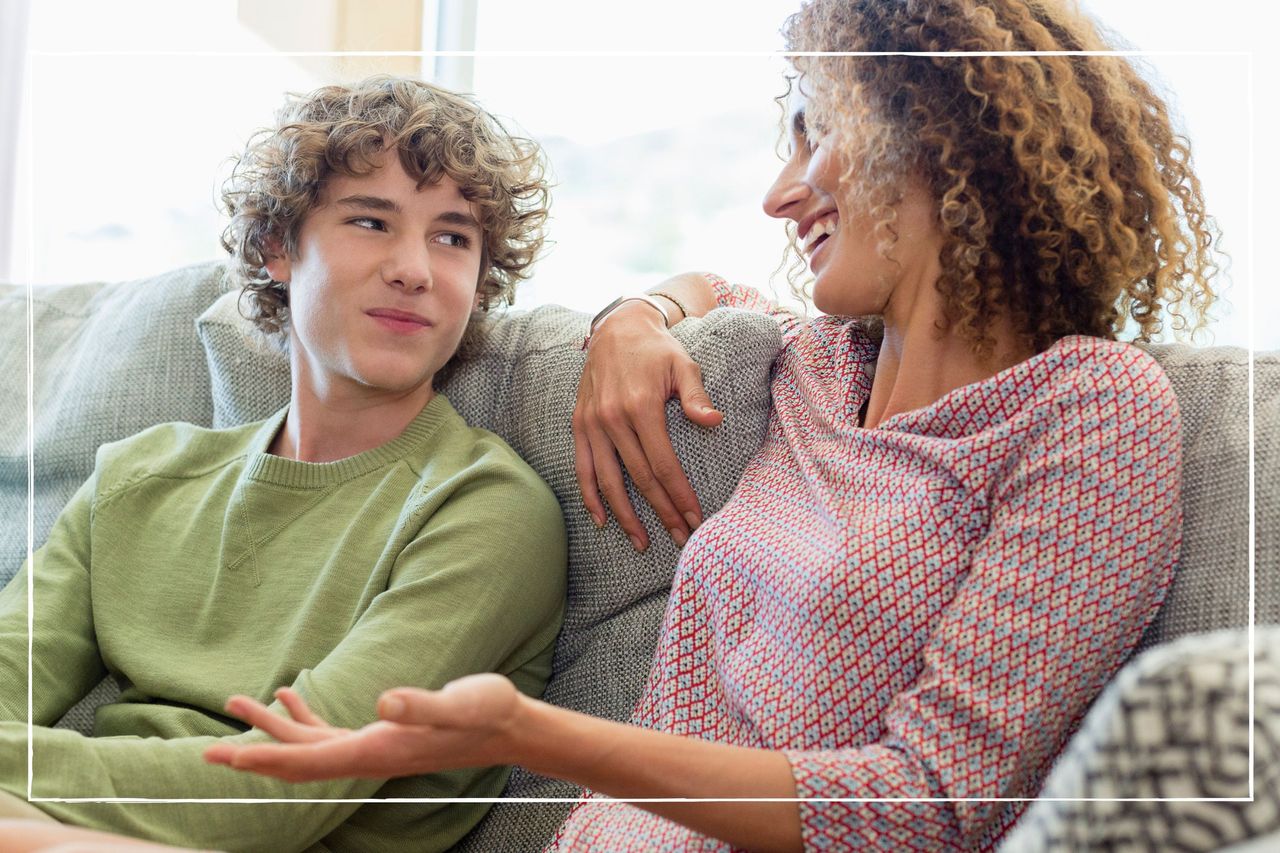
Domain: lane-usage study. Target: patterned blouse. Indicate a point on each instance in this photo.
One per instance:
(917, 615)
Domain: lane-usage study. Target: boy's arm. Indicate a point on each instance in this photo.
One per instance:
(462, 600)
(65, 650)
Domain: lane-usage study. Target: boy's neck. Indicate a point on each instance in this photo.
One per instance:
(326, 427)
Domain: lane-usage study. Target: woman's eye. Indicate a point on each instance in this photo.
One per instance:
(369, 223)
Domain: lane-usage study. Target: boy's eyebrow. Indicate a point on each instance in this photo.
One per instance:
(369, 202)
(374, 202)
(457, 217)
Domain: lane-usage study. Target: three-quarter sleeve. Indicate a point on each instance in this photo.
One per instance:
(749, 299)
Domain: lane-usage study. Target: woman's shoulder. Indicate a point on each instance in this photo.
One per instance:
(828, 338)
(1094, 383)
(1103, 368)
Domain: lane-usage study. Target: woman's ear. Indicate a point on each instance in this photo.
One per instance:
(278, 265)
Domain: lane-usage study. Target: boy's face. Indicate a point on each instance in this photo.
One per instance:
(383, 283)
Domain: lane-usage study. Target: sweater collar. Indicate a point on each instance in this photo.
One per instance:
(265, 467)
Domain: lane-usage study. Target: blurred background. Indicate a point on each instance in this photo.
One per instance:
(117, 129)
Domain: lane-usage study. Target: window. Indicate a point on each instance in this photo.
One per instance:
(660, 162)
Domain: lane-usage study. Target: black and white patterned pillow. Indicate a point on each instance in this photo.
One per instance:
(1162, 760)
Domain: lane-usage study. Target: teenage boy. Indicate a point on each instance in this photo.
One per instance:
(361, 538)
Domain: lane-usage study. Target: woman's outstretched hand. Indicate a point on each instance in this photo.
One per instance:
(633, 367)
(466, 723)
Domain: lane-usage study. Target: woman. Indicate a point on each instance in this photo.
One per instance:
(964, 513)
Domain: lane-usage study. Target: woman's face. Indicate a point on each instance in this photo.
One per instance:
(851, 275)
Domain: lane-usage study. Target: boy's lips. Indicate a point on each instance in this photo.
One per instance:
(399, 321)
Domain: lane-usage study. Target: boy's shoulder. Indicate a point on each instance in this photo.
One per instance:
(175, 449)
(461, 458)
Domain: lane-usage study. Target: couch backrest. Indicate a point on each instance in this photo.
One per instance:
(108, 360)
(1211, 586)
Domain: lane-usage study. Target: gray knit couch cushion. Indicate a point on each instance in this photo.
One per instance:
(1211, 584)
(108, 360)
(521, 383)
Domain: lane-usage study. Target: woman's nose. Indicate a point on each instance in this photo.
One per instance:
(783, 200)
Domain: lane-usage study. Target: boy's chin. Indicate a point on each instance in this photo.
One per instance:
(396, 383)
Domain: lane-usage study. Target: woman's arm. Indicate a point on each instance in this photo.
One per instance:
(482, 719)
(633, 367)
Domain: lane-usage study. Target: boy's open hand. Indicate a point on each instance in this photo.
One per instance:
(467, 723)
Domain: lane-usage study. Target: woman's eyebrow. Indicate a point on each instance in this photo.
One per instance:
(797, 122)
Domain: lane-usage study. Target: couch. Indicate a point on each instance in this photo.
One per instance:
(110, 359)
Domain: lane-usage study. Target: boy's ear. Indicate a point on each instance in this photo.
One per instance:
(278, 262)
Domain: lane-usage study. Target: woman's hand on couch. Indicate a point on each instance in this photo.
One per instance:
(633, 367)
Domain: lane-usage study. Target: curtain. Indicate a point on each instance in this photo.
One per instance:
(13, 54)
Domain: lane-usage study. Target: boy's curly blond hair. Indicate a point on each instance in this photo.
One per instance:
(278, 179)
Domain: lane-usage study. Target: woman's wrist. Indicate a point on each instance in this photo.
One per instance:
(681, 312)
(526, 736)
(631, 313)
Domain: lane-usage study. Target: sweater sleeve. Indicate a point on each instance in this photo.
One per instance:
(1085, 527)
(461, 600)
(749, 299)
(65, 650)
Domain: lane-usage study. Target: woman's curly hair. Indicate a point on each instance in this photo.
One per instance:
(280, 176)
(1065, 198)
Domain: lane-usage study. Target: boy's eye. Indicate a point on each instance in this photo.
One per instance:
(369, 223)
(460, 241)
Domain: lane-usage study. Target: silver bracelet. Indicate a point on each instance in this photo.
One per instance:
(615, 304)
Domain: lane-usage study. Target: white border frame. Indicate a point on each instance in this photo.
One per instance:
(470, 56)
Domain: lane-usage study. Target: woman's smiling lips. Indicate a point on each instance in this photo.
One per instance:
(824, 225)
(815, 231)
(402, 322)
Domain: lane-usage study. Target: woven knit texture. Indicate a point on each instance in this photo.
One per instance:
(1173, 723)
(1210, 588)
(108, 360)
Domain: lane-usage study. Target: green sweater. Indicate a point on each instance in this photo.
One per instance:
(194, 565)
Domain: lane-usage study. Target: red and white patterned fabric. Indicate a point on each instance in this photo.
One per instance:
(921, 610)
